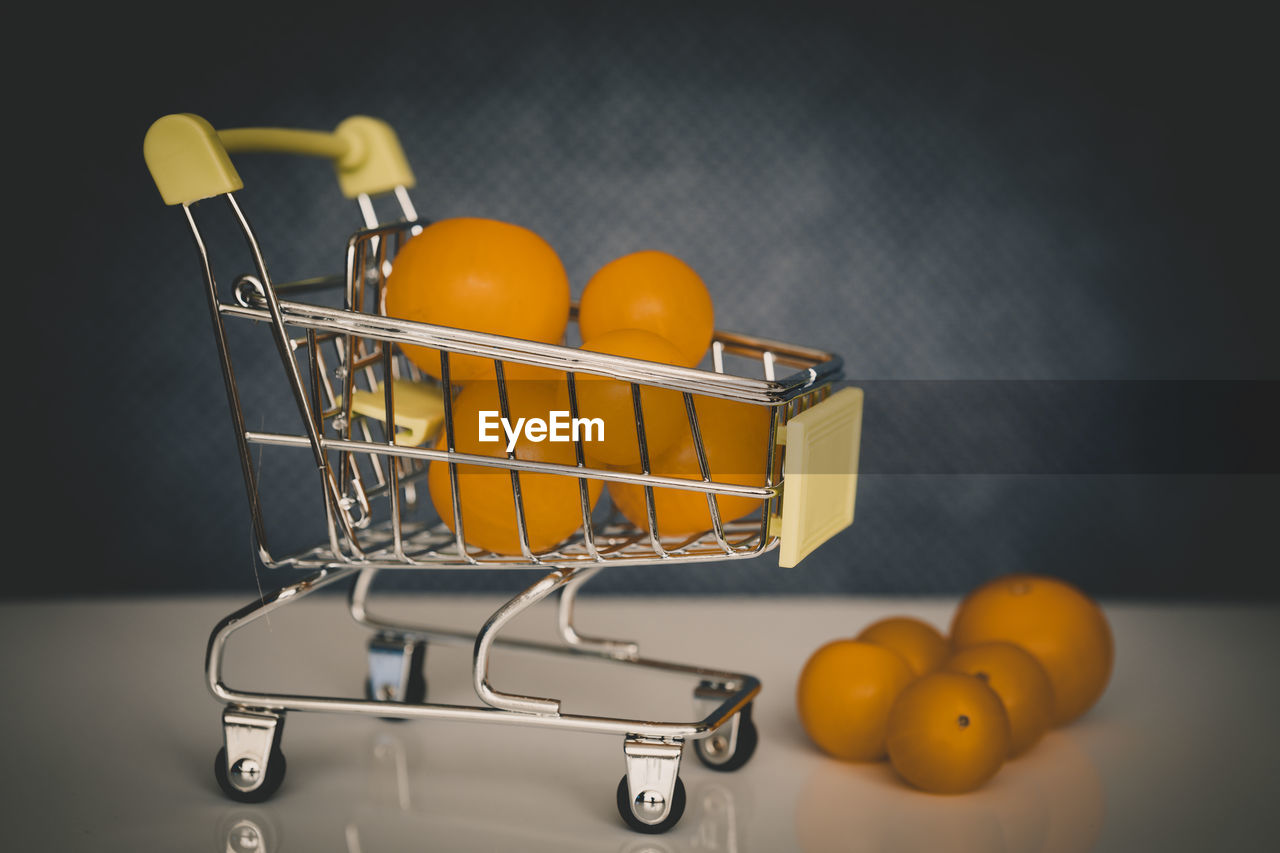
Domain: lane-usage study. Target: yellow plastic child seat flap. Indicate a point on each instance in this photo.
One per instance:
(418, 409)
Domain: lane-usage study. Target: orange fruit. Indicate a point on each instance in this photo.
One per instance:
(611, 401)
(1021, 683)
(654, 291)
(551, 502)
(481, 275)
(735, 437)
(948, 733)
(921, 645)
(844, 695)
(1061, 626)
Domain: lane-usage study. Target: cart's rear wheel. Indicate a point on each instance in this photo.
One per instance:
(629, 810)
(724, 753)
(396, 668)
(415, 693)
(246, 772)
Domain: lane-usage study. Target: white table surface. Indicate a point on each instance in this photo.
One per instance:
(111, 736)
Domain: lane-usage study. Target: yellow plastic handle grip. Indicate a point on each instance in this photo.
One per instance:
(189, 160)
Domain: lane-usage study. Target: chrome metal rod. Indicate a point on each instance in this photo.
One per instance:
(250, 613)
(484, 643)
(620, 649)
(463, 342)
(742, 688)
(360, 612)
(558, 468)
(694, 730)
(232, 390)
(296, 385)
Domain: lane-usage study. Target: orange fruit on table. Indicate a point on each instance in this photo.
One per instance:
(654, 291)
(1064, 629)
(947, 733)
(481, 275)
(735, 437)
(844, 696)
(921, 645)
(1021, 683)
(610, 400)
(551, 502)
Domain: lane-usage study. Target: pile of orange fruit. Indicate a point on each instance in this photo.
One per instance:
(1025, 653)
(489, 276)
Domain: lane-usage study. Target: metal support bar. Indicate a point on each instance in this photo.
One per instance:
(484, 643)
(619, 649)
(746, 686)
(707, 697)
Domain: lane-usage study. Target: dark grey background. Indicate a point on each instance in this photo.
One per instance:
(1011, 225)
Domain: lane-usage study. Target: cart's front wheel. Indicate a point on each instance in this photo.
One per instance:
(646, 802)
(727, 750)
(247, 782)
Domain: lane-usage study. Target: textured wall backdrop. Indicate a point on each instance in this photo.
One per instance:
(1066, 209)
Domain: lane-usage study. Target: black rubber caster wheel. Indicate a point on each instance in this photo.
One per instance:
(275, 775)
(714, 751)
(672, 818)
(415, 692)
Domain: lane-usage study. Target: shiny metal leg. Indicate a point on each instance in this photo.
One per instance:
(358, 605)
(554, 580)
(530, 711)
(619, 649)
(650, 797)
(358, 598)
(250, 613)
(732, 743)
(736, 689)
(707, 697)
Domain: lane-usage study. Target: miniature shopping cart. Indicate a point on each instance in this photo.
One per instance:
(362, 413)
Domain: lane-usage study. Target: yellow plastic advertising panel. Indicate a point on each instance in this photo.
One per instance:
(820, 474)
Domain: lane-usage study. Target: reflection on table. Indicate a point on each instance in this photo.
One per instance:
(1048, 801)
(391, 811)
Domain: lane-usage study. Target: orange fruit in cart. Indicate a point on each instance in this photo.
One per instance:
(484, 276)
(551, 502)
(735, 437)
(844, 695)
(947, 733)
(611, 401)
(654, 291)
(1064, 629)
(1021, 683)
(921, 645)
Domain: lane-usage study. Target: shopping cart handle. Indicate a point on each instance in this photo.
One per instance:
(189, 160)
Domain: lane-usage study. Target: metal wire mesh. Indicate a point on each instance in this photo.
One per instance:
(376, 513)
